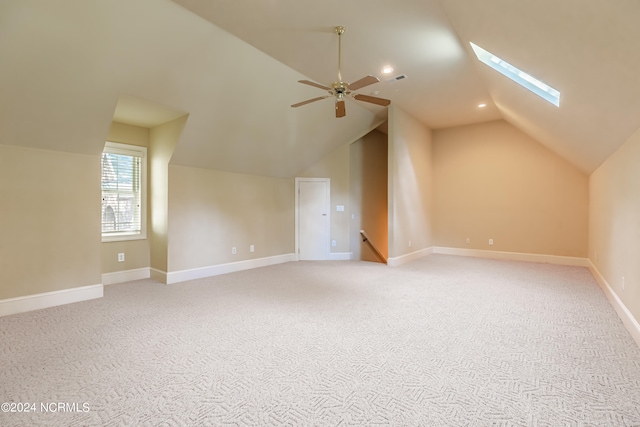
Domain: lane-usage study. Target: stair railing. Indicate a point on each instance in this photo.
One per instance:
(367, 240)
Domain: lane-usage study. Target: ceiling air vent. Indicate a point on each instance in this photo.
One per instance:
(397, 78)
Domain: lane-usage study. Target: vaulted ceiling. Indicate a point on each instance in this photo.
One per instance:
(232, 66)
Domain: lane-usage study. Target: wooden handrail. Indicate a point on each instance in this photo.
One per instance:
(367, 240)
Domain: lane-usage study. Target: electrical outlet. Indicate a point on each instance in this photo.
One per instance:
(491, 241)
(233, 250)
(121, 257)
(468, 240)
(333, 243)
(252, 248)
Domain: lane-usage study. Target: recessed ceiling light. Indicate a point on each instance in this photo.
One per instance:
(482, 105)
(387, 70)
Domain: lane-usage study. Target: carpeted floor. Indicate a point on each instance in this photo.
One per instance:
(442, 341)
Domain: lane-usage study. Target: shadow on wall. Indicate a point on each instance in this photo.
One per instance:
(368, 190)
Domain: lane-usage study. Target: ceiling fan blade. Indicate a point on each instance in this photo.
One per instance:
(308, 101)
(341, 111)
(372, 99)
(365, 81)
(314, 84)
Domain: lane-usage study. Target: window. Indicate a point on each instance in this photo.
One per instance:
(124, 198)
(523, 79)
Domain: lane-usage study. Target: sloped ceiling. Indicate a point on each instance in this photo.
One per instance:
(232, 66)
(66, 65)
(415, 37)
(587, 49)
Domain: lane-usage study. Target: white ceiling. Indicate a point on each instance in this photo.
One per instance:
(442, 88)
(587, 49)
(232, 66)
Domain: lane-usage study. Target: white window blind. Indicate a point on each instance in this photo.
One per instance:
(123, 195)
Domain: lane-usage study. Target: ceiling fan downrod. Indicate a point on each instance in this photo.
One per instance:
(339, 30)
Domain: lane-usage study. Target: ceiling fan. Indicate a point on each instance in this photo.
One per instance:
(340, 89)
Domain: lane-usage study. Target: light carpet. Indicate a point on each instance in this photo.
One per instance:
(442, 341)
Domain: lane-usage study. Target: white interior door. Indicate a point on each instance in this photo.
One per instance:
(313, 219)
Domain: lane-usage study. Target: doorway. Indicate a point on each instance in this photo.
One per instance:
(368, 197)
(312, 218)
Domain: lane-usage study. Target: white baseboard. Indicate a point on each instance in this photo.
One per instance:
(125, 276)
(215, 270)
(49, 299)
(625, 315)
(513, 256)
(402, 259)
(340, 256)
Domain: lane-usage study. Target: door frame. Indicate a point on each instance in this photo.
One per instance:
(297, 214)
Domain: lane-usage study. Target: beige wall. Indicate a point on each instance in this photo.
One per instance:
(335, 166)
(136, 251)
(614, 222)
(491, 181)
(162, 142)
(409, 187)
(368, 194)
(136, 255)
(212, 211)
(128, 134)
(49, 221)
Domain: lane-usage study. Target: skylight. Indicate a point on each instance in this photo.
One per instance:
(523, 79)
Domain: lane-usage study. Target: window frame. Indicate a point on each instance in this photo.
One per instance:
(135, 151)
(518, 76)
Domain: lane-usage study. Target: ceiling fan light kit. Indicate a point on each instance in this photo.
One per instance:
(339, 89)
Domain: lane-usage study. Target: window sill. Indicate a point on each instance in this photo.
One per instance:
(121, 237)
